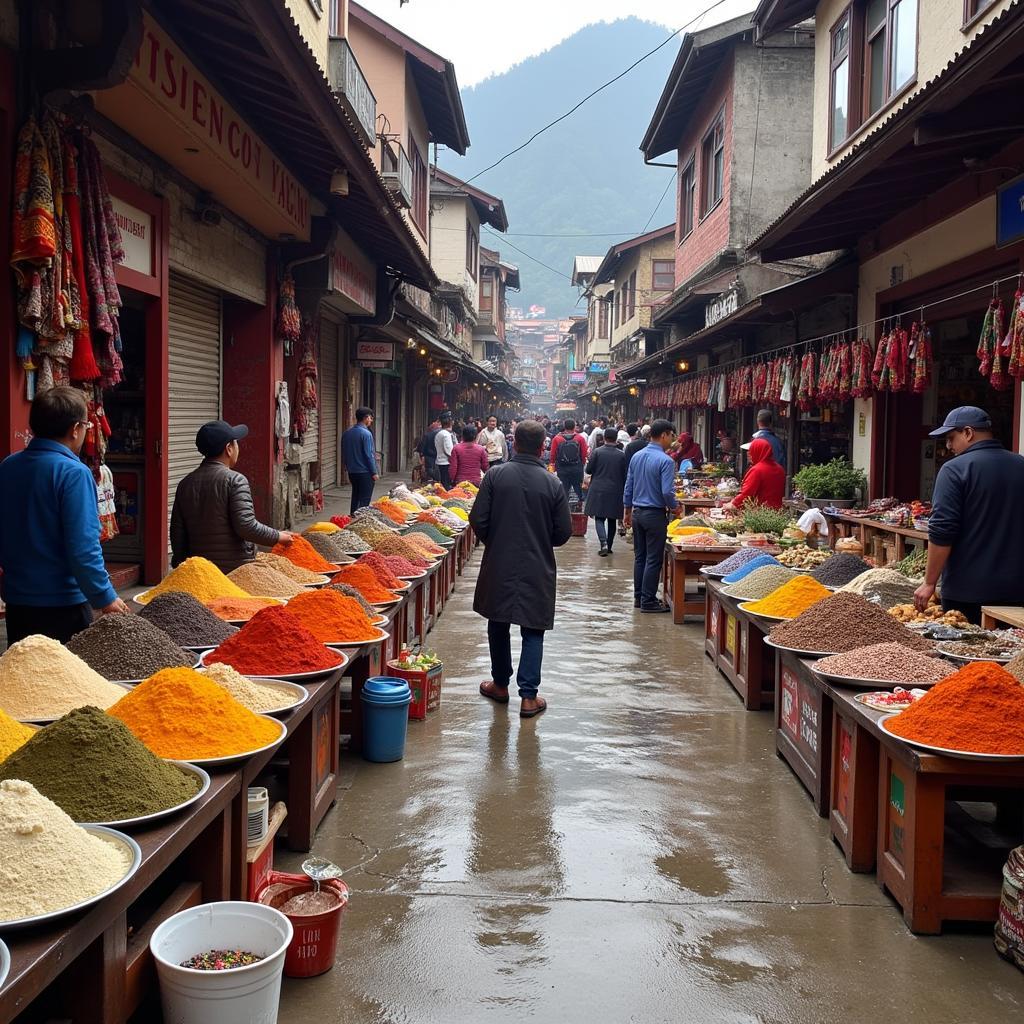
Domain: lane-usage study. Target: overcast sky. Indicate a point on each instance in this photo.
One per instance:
(485, 37)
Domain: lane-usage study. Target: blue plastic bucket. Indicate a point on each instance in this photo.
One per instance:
(386, 701)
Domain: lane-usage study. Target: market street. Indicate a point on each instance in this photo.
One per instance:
(637, 853)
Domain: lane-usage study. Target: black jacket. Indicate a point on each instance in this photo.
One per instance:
(634, 446)
(213, 517)
(521, 515)
(607, 469)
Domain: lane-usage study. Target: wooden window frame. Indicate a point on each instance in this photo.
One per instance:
(709, 202)
(486, 292)
(847, 15)
(687, 197)
(472, 250)
(655, 273)
(602, 318)
(334, 18)
(892, 91)
(974, 10)
(615, 310)
(632, 295)
(420, 187)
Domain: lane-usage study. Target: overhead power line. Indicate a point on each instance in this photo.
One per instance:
(501, 238)
(668, 185)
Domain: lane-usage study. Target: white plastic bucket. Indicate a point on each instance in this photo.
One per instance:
(243, 995)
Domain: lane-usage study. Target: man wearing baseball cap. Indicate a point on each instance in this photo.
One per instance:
(975, 544)
(213, 515)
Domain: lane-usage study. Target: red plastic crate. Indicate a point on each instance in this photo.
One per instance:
(425, 685)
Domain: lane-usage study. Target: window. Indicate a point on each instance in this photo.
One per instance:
(615, 308)
(903, 49)
(712, 166)
(632, 295)
(663, 275)
(839, 86)
(334, 25)
(486, 292)
(687, 184)
(472, 250)
(876, 20)
(420, 189)
(972, 8)
(602, 318)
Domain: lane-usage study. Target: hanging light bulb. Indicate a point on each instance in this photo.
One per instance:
(682, 365)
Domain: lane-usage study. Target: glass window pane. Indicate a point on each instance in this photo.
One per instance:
(874, 16)
(840, 37)
(876, 71)
(719, 175)
(904, 43)
(840, 103)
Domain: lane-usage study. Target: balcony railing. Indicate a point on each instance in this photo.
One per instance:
(349, 85)
(396, 169)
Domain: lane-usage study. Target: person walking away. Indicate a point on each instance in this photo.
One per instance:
(649, 497)
(444, 442)
(468, 459)
(975, 542)
(597, 434)
(520, 516)
(764, 482)
(360, 458)
(765, 432)
(569, 456)
(637, 442)
(622, 435)
(686, 449)
(607, 470)
(494, 441)
(53, 571)
(428, 452)
(213, 516)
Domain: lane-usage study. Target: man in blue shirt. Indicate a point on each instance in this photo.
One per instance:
(357, 452)
(649, 497)
(53, 571)
(764, 431)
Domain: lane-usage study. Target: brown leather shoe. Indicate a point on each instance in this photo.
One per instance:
(492, 691)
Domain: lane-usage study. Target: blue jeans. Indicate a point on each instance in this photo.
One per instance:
(650, 528)
(499, 640)
(362, 490)
(605, 531)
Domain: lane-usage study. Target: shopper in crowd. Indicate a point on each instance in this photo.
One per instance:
(636, 442)
(597, 431)
(764, 482)
(606, 468)
(50, 554)
(975, 543)
(569, 457)
(360, 458)
(521, 516)
(687, 450)
(648, 499)
(468, 459)
(494, 441)
(428, 452)
(444, 442)
(213, 515)
(622, 435)
(765, 422)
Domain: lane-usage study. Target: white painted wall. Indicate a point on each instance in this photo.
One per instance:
(448, 241)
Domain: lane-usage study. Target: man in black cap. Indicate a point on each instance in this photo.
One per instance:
(975, 544)
(213, 516)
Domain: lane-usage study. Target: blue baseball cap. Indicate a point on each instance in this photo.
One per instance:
(215, 436)
(964, 416)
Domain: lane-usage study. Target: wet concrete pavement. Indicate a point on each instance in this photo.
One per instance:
(637, 853)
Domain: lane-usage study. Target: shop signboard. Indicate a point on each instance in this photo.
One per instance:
(375, 351)
(577, 376)
(843, 770)
(565, 406)
(789, 709)
(353, 276)
(725, 305)
(1010, 212)
(599, 368)
(136, 236)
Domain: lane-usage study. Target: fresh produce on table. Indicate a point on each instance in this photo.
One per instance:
(422, 660)
(888, 701)
(914, 564)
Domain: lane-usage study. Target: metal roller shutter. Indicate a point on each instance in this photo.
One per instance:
(194, 372)
(329, 402)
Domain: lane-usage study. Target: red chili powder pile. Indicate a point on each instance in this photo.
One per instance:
(301, 552)
(364, 579)
(274, 642)
(401, 566)
(331, 617)
(381, 569)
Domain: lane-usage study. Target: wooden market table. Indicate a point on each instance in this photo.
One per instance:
(681, 565)
(691, 505)
(867, 531)
(735, 643)
(1002, 617)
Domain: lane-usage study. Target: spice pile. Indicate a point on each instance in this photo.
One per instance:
(737, 560)
(745, 570)
(198, 577)
(375, 516)
(884, 587)
(350, 542)
(257, 695)
(423, 545)
(264, 581)
(240, 609)
(47, 862)
(12, 734)
(364, 579)
(303, 554)
(289, 569)
(993, 645)
(332, 618)
(275, 643)
(1016, 667)
(92, 767)
(375, 561)
(979, 709)
(185, 620)
(889, 662)
(322, 527)
(760, 583)
(800, 556)
(40, 679)
(127, 647)
(180, 714)
(399, 546)
(349, 591)
(789, 600)
(326, 545)
(907, 613)
(221, 960)
(840, 569)
(432, 532)
(402, 566)
(843, 622)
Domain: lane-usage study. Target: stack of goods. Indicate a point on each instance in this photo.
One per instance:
(12, 734)
(326, 546)
(350, 543)
(994, 645)
(364, 579)
(259, 695)
(303, 555)
(760, 583)
(800, 556)
(182, 715)
(333, 618)
(349, 591)
(385, 577)
(47, 862)
(888, 662)
(264, 580)
(841, 623)
(185, 620)
(400, 546)
(840, 569)
(41, 680)
(752, 566)
(439, 535)
(908, 613)
(883, 587)
(444, 517)
(423, 544)
(289, 569)
(790, 600)
(408, 508)
(240, 609)
(376, 518)
(198, 577)
(93, 767)
(127, 647)
(736, 561)
(340, 521)
(979, 709)
(274, 643)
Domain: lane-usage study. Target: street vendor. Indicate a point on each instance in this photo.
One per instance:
(686, 449)
(975, 544)
(764, 482)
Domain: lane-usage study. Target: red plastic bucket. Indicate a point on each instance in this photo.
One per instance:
(579, 523)
(315, 938)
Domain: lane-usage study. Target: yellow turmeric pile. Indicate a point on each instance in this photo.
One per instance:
(181, 714)
(198, 577)
(12, 734)
(791, 599)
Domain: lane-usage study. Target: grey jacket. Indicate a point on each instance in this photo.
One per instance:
(213, 517)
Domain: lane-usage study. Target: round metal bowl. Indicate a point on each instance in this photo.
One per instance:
(145, 819)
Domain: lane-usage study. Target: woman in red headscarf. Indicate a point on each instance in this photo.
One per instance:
(764, 482)
(686, 448)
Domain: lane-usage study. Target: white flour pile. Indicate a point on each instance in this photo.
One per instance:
(256, 696)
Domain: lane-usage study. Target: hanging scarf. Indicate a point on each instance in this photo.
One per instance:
(83, 361)
(33, 226)
(1016, 365)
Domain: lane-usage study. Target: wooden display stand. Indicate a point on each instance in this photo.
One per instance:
(853, 803)
(741, 654)
(1002, 617)
(892, 541)
(681, 565)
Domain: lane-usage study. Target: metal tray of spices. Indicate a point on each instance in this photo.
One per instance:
(381, 636)
(418, 576)
(318, 583)
(145, 819)
(108, 835)
(966, 755)
(5, 962)
(743, 607)
(869, 684)
(53, 718)
(294, 677)
(387, 604)
(797, 651)
(298, 695)
(220, 762)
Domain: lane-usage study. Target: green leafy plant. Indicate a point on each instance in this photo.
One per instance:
(759, 518)
(838, 479)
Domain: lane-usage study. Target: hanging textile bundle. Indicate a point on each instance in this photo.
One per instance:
(83, 360)
(998, 377)
(289, 320)
(861, 375)
(878, 366)
(807, 386)
(920, 357)
(1016, 333)
(990, 332)
(897, 358)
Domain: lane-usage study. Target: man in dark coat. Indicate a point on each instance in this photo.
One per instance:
(606, 468)
(520, 515)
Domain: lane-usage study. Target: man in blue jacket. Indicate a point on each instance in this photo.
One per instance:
(53, 571)
(975, 543)
(360, 458)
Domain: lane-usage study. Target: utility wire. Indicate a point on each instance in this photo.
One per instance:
(668, 185)
(561, 273)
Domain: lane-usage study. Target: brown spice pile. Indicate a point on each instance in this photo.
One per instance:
(262, 580)
(289, 569)
(890, 662)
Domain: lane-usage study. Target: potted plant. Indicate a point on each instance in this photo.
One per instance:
(837, 483)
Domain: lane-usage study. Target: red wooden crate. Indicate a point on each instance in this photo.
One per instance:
(425, 685)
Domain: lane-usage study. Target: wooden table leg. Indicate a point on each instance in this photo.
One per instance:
(312, 771)
(678, 591)
(853, 807)
(92, 989)
(217, 854)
